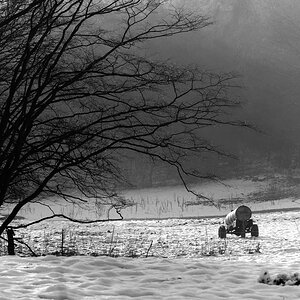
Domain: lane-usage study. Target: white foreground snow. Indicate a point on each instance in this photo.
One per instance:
(147, 278)
(185, 273)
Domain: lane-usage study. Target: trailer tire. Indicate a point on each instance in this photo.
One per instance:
(254, 230)
(222, 232)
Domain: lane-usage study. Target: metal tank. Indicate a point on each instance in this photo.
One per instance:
(239, 222)
(242, 213)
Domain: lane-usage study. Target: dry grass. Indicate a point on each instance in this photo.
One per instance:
(71, 241)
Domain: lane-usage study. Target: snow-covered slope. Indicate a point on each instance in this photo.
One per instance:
(183, 270)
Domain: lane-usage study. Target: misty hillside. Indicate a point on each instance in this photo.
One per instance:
(259, 40)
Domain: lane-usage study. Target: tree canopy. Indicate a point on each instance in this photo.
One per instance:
(77, 91)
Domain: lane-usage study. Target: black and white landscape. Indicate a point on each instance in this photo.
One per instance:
(129, 129)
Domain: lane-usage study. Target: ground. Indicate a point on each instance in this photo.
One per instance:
(172, 258)
(84, 278)
(177, 259)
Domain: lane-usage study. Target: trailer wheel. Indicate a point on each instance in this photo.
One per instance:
(254, 230)
(222, 232)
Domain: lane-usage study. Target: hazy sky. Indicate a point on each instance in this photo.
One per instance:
(260, 39)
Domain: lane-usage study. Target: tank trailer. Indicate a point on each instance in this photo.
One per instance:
(238, 222)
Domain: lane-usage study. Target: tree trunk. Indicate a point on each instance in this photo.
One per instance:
(10, 238)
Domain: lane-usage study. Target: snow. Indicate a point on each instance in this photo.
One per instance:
(87, 277)
(169, 202)
(179, 264)
(178, 257)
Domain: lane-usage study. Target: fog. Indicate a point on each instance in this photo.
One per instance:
(260, 40)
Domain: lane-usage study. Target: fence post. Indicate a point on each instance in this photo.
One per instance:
(62, 242)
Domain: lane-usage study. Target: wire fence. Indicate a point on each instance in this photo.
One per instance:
(77, 241)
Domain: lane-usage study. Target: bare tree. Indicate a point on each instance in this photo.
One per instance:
(76, 93)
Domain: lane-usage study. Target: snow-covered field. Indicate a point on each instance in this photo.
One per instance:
(147, 278)
(177, 202)
(177, 259)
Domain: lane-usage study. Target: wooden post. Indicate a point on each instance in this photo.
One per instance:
(62, 242)
(10, 238)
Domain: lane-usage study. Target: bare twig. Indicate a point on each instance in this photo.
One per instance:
(147, 253)
(64, 217)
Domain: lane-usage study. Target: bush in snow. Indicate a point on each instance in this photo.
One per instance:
(279, 279)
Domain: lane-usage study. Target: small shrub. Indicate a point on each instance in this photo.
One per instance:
(279, 279)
